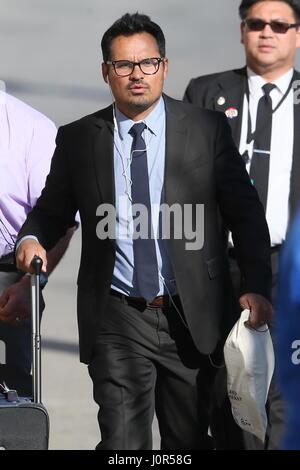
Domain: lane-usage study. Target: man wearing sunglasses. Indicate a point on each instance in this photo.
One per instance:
(259, 103)
(153, 311)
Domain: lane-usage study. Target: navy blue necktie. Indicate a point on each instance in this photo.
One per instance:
(259, 169)
(144, 252)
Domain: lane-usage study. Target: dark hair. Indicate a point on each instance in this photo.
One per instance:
(247, 4)
(128, 25)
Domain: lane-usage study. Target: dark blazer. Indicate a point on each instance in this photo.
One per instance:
(202, 167)
(231, 85)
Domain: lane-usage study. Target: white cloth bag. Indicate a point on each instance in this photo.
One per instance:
(249, 359)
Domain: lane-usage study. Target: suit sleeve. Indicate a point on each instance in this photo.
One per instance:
(55, 209)
(243, 214)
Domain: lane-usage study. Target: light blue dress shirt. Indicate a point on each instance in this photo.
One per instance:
(155, 141)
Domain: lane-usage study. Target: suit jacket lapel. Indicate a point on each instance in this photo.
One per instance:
(102, 141)
(103, 138)
(230, 97)
(103, 150)
(176, 138)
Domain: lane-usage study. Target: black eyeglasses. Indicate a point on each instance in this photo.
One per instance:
(255, 24)
(123, 68)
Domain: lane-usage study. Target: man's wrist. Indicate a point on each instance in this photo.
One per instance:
(26, 237)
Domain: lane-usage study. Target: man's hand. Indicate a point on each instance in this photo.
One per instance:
(25, 253)
(261, 310)
(15, 302)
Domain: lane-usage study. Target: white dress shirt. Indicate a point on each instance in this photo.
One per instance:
(282, 141)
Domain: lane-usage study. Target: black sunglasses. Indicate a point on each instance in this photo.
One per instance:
(280, 27)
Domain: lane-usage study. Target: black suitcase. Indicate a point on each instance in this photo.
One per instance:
(24, 423)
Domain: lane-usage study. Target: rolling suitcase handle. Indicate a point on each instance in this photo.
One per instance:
(24, 425)
(36, 336)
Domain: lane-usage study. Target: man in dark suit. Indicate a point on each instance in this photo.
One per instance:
(271, 34)
(153, 310)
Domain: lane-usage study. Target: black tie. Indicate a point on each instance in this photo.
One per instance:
(259, 169)
(145, 260)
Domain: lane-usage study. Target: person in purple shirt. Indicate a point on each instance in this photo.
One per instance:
(27, 142)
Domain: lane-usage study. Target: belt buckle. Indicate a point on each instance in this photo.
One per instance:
(161, 301)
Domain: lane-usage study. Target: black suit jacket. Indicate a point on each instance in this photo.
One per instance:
(202, 167)
(205, 91)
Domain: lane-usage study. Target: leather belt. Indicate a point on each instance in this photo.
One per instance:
(158, 302)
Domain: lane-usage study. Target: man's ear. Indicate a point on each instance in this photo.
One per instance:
(298, 37)
(104, 72)
(242, 27)
(166, 67)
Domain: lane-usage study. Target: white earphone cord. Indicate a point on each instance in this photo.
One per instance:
(184, 322)
(125, 167)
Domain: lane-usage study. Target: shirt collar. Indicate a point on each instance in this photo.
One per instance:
(256, 82)
(152, 121)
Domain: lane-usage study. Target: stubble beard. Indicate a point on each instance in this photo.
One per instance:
(139, 105)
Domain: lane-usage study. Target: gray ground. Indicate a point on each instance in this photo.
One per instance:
(50, 58)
